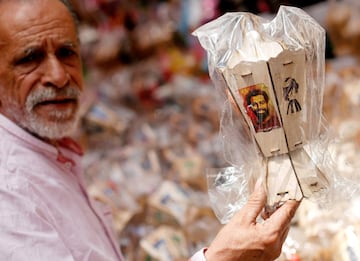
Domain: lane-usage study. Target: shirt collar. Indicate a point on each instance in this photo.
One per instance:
(27, 137)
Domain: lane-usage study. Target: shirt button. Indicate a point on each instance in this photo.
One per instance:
(11, 167)
(68, 165)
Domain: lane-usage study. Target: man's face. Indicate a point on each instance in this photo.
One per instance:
(260, 107)
(40, 67)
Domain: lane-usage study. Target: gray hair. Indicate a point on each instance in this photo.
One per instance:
(70, 7)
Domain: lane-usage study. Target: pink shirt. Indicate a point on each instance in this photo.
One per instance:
(45, 211)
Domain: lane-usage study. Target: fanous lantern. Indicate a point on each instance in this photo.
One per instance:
(271, 76)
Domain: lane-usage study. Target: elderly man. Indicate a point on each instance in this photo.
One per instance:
(45, 211)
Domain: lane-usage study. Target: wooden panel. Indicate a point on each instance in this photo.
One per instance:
(312, 181)
(288, 76)
(282, 183)
(252, 79)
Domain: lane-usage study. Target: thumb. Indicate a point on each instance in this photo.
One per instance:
(255, 204)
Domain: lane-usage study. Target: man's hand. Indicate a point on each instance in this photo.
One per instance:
(243, 239)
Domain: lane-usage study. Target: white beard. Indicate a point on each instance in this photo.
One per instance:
(54, 129)
(63, 123)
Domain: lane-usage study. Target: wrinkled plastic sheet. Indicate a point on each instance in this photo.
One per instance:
(241, 45)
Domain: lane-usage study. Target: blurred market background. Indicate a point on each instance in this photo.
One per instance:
(151, 120)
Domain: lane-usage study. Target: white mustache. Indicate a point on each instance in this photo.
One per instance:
(50, 93)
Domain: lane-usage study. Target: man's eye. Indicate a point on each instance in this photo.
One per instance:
(65, 53)
(30, 58)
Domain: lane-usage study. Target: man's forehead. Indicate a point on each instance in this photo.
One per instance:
(258, 96)
(20, 18)
(49, 5)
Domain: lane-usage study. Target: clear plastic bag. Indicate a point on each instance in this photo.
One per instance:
(269, 76)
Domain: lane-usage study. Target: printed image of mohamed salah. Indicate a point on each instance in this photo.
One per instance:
(259, 108)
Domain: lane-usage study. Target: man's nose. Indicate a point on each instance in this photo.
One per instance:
(54, 73)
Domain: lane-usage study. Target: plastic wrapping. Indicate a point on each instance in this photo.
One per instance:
(269, 76)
